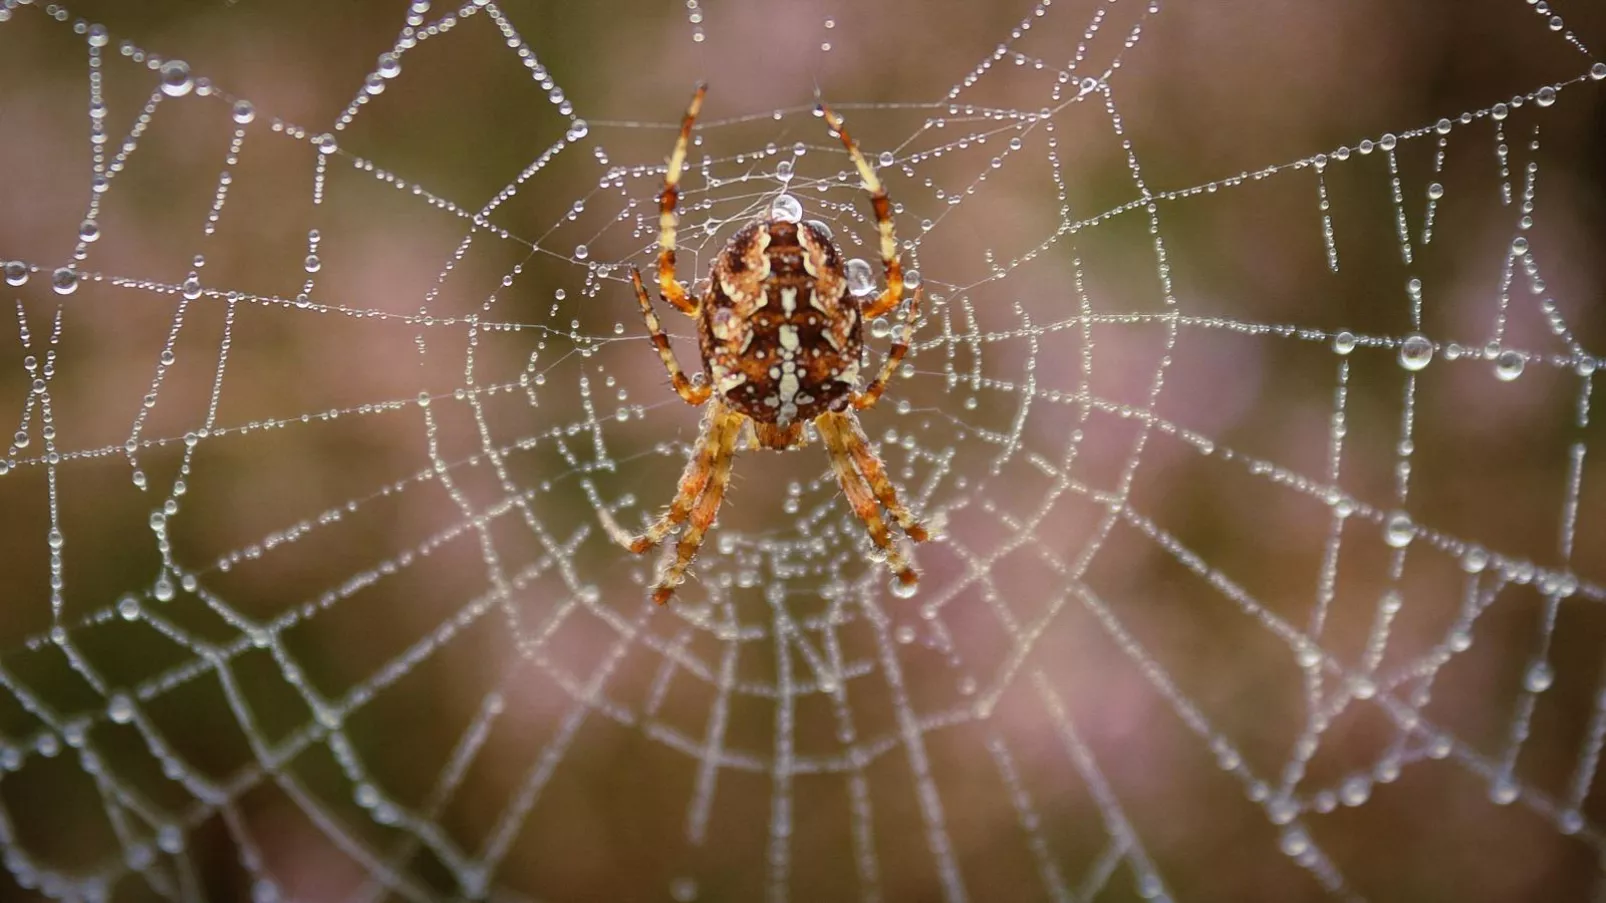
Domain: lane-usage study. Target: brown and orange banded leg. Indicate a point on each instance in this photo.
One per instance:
(723, 431)
(693, 480)
(668, 285)
(900, 347)
(893, 294)
(875, 473)
(692, 394)
(860, 497)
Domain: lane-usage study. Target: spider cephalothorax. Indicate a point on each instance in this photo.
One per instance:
(781, 340)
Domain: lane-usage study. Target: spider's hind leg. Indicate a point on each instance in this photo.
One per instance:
(693, 480)
(875, 474)
(835, 433)
(722, 431)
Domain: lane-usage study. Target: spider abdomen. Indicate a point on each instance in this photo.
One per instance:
(781, 338)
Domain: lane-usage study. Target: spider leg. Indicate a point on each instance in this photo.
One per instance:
(699, 467)
(669, 286)
(893, 294)
(722, 441)
(692, 394)
(875, 473)
(860, 497)
(900, 346)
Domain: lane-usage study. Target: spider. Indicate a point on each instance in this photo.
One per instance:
(781, 339)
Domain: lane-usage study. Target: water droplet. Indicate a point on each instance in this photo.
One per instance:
(1308, 655)
(1443, 126)
(1474, 560)
(1398, 531)
(312, 263)
(389, 65)
(88, 230)
(98, 36)
(902, 590)
(1363, 688)
(1539, 677)
(1545, 96)
(120, 709)
(16, 272)
(1598, 71)
(911, 279)
(326, 143)
(1357, 789)
(128, 607)
(1435, 191)
(581, 252)
(860, 283)
(578, 129)
(1503, 792)
(191, 288)
(176, 81)
(683, 890)
(822, 228)
(786, 209)
(1415, 351)
(1344, 342)
(1499, 111)
(885, 158)
(244, 112)
(170, 839)
(64, 280)
(1508, 366)
(55, 539)
(783, 171)
(904, 634)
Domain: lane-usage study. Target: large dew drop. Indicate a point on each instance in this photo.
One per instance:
(786, 209)
(1508, 365)
(1416, 351)
(64, 280)
(1398, 531)
(176, 80)
(860, 282)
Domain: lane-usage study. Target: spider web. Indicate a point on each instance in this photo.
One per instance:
(1250, 404)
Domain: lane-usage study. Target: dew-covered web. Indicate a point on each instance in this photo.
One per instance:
(1250, 405)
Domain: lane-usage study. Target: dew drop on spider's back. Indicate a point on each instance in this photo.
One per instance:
(903, 590)
(787, 209)
(860, 282)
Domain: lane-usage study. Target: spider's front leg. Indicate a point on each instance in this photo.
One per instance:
(668, 285)
(900, 347)
(882, 205)
(689, 392)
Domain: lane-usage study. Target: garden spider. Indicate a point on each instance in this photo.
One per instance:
(781, 340)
